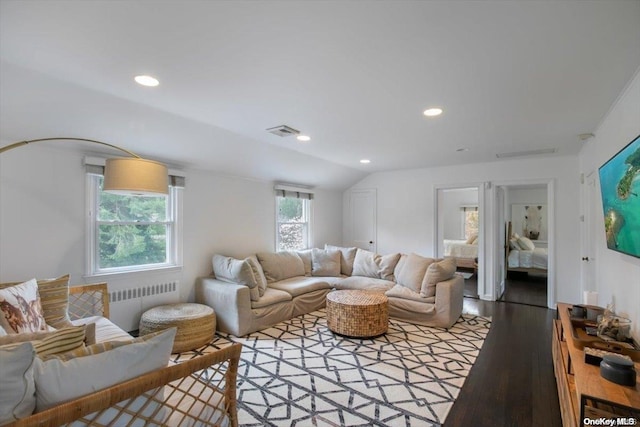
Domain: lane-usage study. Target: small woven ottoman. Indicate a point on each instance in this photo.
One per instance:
(357, 313)
(196, 324)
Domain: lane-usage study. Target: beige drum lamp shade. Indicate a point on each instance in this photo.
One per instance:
(127, 175)
(130, 175)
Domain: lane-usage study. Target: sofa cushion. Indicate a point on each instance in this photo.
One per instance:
(305, 256)
(280, 265)
(271, 296)
(365, 284)
(407, 307)
(325, 262)
(347, 258)
(437, 272)
(258, 274)
(237, 271)
(17, 385)
(412, 272)
(370, 264)
(61, 379)
(402, 292)
(20, 309)
(104, 329)
(300, 285)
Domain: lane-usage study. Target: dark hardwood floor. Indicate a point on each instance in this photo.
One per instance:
(525, 288)
(512, 381)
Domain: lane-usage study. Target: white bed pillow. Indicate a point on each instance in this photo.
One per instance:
(525, 244)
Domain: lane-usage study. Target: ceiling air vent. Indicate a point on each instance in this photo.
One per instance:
(283, 131)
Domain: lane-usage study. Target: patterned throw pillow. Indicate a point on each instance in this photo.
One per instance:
(20, 309)
(49, 343)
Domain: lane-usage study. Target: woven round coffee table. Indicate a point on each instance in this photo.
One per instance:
(357, 313)
(196, 324)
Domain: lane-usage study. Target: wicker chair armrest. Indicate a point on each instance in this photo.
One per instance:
(188, 394)
(88, 300)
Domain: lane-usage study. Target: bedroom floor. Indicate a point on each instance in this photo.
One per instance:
(520, 288)
(525, 288)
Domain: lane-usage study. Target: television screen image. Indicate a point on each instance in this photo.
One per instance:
(620, 187)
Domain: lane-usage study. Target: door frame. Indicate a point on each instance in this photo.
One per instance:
(482, 293)
(496, 244)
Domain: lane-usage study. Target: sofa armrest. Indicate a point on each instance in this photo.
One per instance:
(449, 299)
(230, 301)
(207, 381)
(88, 300)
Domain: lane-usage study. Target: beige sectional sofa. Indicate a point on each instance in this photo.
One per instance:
(264, 289)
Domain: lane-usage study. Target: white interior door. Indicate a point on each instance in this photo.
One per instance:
(363, 219)
(591, 214)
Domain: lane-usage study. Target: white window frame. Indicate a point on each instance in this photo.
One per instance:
(307, 213)
(174, 233)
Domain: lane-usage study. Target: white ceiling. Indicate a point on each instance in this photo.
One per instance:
(354, 75)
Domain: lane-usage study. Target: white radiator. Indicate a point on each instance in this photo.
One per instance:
(126, 305)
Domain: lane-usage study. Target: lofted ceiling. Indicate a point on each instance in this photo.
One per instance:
(511, 76)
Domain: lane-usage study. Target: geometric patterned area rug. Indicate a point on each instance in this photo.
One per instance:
(299, 373)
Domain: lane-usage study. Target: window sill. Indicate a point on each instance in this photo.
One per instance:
(134, 273)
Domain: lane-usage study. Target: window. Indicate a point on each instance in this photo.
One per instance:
(132, 233)
(470, 221)
(293, 219)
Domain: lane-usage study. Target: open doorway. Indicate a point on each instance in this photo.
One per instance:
(459, 232)
(526, 244)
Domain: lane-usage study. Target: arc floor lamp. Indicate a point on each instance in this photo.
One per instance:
(122, 175)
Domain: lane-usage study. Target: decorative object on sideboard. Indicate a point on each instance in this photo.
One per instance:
(618, 370)
(122, 175)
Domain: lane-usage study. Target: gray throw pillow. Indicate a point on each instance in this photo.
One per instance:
(237, 271)
(347, 258)
(325, 262)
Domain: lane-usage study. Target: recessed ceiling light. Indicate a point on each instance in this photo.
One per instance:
(432, 112)
(147, 81)
(365, 161)
(303, 138)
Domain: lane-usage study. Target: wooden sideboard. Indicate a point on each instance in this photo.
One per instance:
(583, 393)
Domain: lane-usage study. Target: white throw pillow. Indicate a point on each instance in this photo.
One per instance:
(325, 262)
(412, 272)
(20, 308)
(237, 271)
(59, 381)
(17, 386)
(526, 244)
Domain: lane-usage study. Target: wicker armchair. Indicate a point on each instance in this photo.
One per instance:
(201, 391)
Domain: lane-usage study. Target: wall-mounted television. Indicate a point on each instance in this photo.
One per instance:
(620, 187)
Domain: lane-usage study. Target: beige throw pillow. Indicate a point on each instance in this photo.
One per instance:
(347, 258)
(20, 309)
(47, 343)
(369, 264)
(258, 274)
(305, 256)
(437, 272)
(325, 262)
(280, 265)
(237, 271)
(17, 385)
(413, 271)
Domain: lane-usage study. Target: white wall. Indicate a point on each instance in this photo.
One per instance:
(42, 223)
(452, 202)
(405, 211)
(617, 275)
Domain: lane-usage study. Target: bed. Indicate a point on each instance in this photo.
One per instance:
(527, 260)
(464, 253)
